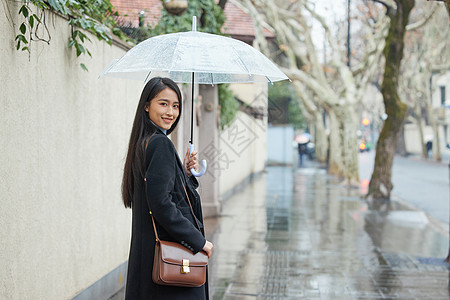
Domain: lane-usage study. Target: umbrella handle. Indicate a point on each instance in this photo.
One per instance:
(193, 171)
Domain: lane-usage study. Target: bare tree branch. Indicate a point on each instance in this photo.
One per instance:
(344, 70)
(337, 91)
(259, 24)
(365, 71)
(388, 4)
(423, 21)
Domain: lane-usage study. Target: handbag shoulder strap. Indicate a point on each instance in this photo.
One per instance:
(190, 205)
(192, 211)
(153, 220)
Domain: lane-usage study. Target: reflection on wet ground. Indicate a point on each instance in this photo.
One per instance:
(299, 234)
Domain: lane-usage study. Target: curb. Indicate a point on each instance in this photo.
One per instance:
(438, 225)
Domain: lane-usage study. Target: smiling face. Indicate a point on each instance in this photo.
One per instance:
(164, 108)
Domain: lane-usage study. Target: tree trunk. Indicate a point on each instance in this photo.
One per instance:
(401, 142)
(321, 142)
(380, 185)
(436, 141)
(436, 145)
(335, 163)
(349, 125)
(420, 127)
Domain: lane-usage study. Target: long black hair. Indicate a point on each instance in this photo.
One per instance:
(142, 131)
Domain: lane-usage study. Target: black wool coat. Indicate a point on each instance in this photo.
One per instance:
(163, 194)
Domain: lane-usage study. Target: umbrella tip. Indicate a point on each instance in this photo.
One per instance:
(194, 23)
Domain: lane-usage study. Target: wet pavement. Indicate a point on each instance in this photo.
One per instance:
(423, 183)
(299, 234)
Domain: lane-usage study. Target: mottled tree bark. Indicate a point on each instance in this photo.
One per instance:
(335, 161)
(349, 125)
(380, 186)
(421, 134)
(321, 142)
(436, 149)
(401, 143)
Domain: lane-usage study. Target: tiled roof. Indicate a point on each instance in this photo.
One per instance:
(238, 24)
(129, 10)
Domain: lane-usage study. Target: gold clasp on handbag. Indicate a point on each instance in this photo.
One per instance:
(185, 267)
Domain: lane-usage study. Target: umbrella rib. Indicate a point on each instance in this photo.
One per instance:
(175, 49)
(242, 62)
(147, 76)
(108, 68)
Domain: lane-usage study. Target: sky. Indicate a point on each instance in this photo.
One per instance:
(333, 11)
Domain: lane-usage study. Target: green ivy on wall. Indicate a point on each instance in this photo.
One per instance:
(228, 105)
(211, 18)
(96, 16)
(285, 103)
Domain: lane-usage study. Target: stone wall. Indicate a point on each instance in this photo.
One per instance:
(63, 137)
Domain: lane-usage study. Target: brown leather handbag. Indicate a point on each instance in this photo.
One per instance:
(175, 265)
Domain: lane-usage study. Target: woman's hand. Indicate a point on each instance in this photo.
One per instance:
(208, 248)
(190, 162)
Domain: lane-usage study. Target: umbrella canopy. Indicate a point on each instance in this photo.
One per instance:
(195, 57)
(213, 58)
(303, 138)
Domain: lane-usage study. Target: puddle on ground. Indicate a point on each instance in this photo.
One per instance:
(299, 234)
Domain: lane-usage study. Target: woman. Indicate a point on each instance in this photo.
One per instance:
(152, 157)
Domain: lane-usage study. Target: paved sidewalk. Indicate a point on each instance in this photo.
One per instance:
(298, 234)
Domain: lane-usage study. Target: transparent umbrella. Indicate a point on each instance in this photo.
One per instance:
(195, 57)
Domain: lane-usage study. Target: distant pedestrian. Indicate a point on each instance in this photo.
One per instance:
(302, 151)
(429, 146)
(153, 181)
